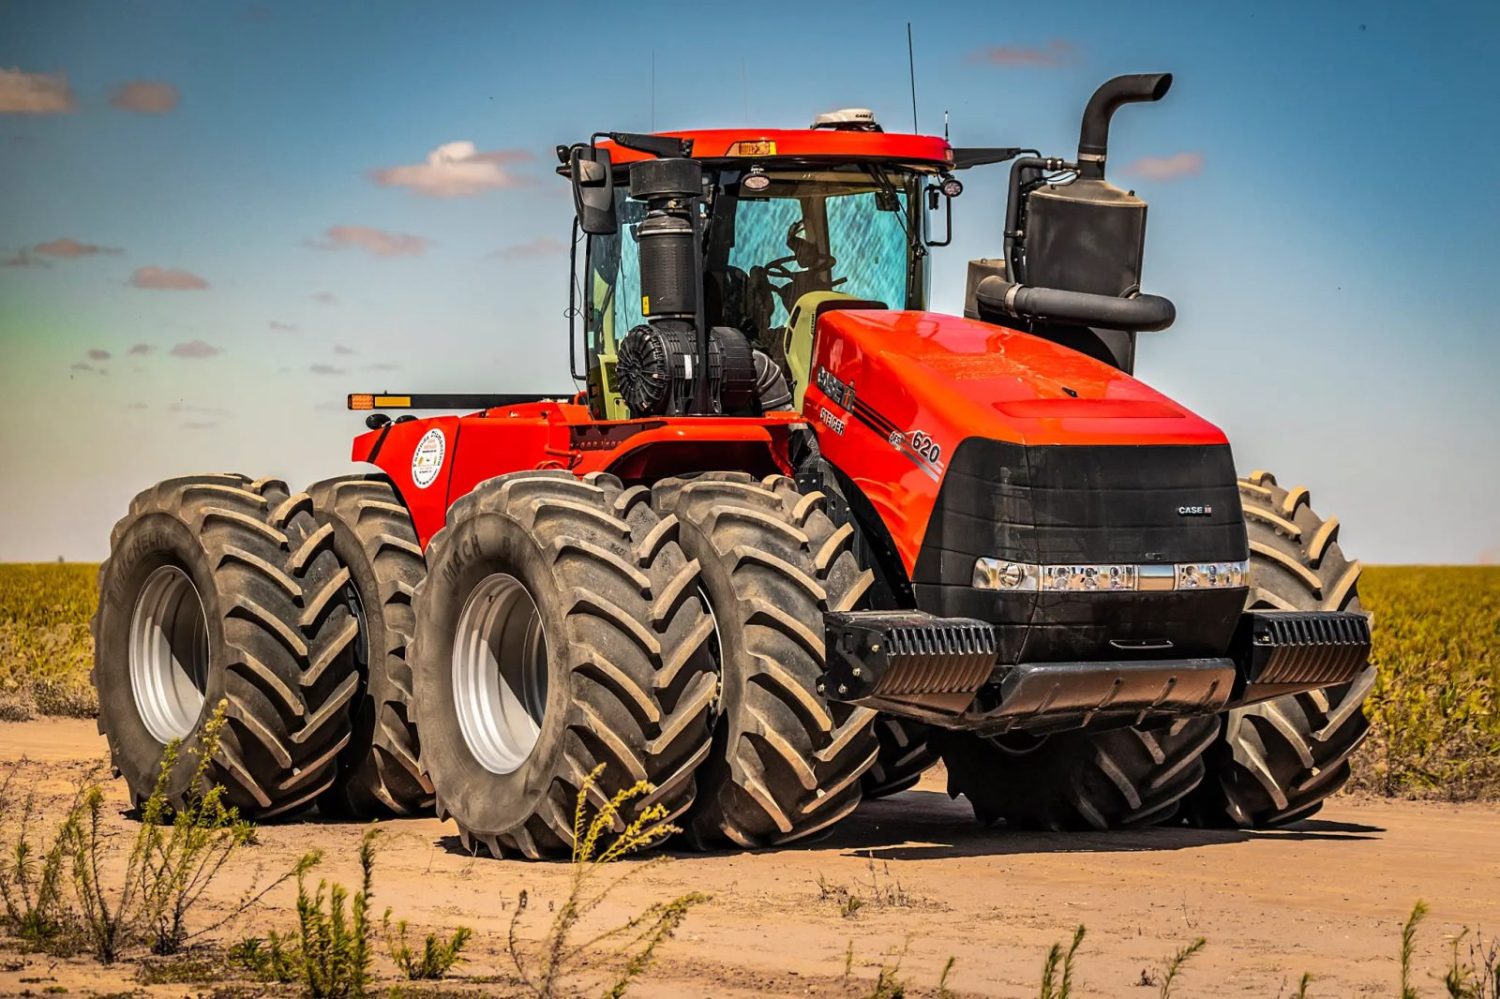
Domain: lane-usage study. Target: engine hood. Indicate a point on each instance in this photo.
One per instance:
(951, 378)
(893, 396)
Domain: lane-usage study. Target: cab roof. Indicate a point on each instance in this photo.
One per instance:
(802, 144)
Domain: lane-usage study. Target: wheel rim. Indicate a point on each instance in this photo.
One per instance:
(168, 654)
(500, 673)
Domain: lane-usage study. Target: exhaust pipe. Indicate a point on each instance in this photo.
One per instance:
(1093, 137)
(996, 296)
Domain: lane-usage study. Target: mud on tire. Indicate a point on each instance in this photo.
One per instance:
(373, 537)
(222, 588)
(1113, 779)
(1278, 760)
(786, 762)
(621, 636)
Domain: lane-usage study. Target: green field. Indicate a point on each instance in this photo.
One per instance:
(1435, 710)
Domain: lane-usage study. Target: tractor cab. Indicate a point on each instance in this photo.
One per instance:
(792, 223)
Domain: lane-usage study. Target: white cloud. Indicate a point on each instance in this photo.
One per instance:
(167, 279)
(35, 93)
(195, 350)
(65, 247)
(376, 241)
(1167, 167)
(455, 170)
(145, 97)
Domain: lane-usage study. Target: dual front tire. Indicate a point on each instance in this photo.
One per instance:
(560, 634)
(1254, 767)
(571, 627)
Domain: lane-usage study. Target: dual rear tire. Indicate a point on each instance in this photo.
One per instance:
(560, 627)
(222, 590)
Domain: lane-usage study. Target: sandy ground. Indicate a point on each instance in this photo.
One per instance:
(1325, 896)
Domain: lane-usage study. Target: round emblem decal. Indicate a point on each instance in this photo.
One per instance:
(427, 460)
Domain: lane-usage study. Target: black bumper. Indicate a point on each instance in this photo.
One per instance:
(948, 671)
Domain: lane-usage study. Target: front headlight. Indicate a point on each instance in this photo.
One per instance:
(1210, 575)
(1025, 577)
(997, 574)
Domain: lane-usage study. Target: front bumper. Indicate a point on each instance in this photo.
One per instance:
(946, 671)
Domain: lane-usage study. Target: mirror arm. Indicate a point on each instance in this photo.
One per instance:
(949, 237)
(573, 304)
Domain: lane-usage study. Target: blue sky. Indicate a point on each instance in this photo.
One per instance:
(220, 188)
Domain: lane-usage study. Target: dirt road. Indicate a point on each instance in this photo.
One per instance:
(1326, 896)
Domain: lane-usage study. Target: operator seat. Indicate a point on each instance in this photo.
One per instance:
(801, 332)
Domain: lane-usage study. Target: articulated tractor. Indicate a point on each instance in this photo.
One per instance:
(791, 540)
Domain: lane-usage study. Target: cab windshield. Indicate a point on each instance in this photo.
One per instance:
(850, 229)
(853, 229)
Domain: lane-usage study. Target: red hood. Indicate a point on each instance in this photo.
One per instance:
(954, 378)
(894, 394)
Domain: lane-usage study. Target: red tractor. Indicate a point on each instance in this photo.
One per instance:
(795, 539)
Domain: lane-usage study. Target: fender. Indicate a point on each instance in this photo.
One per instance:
(421, 483)
(430, 471)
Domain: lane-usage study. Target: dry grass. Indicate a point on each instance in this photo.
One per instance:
(45, 647)
(59, 892)
(1435, 709)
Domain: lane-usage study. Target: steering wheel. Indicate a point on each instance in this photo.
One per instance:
(805, 254)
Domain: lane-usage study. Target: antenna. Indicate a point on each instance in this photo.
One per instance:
(945, 124)
(911, 67)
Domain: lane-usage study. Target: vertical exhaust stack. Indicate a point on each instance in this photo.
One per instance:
(1093, 136)
(1074, 250)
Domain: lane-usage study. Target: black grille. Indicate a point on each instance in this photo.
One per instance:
(1089, 504)
(1082, 504)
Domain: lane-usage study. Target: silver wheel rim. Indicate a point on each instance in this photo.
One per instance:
(500, 673)
(168, 654)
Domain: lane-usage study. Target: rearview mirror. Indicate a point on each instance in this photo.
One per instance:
(593, 190)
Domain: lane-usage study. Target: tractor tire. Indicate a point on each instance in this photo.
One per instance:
(220, 589)
(786, 763)
(559, 629)
(1115, 779)
(906, 752)
(373, 537)
(1278, 760)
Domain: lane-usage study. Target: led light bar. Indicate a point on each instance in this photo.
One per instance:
(1024, 577)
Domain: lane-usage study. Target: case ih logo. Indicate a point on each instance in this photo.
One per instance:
(840, 394)
(1195, 511)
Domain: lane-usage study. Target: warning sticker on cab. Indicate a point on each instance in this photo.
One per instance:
(427, 459)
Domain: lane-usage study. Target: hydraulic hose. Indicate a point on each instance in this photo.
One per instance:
(1140, 313)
